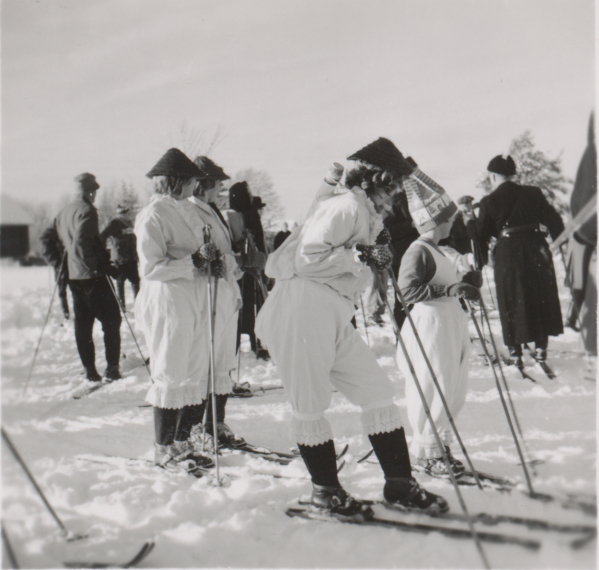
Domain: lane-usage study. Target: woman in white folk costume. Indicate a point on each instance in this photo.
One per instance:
(172, 308)
(434, 279)
(320, 272)
(201, 211)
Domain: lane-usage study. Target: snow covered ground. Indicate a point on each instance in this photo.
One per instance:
(88, 457)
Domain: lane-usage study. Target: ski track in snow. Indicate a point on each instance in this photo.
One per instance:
(93, 459)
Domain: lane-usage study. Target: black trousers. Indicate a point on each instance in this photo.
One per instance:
(93, 299)
(127, 272)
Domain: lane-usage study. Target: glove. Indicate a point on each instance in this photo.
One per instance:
(253, 259)
(383, 238)
(473, 278)
(377, 256)
(206, 253)
(463, 290)
(218, 268)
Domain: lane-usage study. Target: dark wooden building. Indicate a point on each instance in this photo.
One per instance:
(14, 228)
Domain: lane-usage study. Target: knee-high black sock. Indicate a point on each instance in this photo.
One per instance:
(165, 425)
(321, 463)
(221, 402)
(392, 452)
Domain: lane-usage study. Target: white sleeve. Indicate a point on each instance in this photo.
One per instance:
(322, 251)
(155, 264)
(462, 263)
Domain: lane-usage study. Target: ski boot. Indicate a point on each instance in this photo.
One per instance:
(436, 467)
(168, 458)
(336, 502)
(226, 437)
(540, 354)
(92, 374)
(112, 372)
(201, 441)
(456, 465)
(187, 449)
(407, 493)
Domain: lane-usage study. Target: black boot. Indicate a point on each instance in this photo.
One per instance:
(400, 487)
(328, 495)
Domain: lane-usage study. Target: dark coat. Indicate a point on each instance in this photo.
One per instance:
(402, 230)
(525, 281)
(77, 228)
(119, 238)
(280, 238)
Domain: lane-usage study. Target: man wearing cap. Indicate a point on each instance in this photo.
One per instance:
(435, 280)
(89, 267)
(119, 238)
(306, 324)
(525, 282)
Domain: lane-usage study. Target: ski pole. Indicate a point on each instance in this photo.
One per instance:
(39, 342)
(11, 555)
(505, 384)
(67, 534)
(129, 325)
(212, 315)
(438, 437)
(240, 321)
(501, 397)
(364, 317)
(433, 376)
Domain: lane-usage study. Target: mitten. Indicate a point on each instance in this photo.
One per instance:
(218, 268)
(463, 290)
(206, 252)
(473, 278)
(378, 256)
(383, 238)
(253, 259)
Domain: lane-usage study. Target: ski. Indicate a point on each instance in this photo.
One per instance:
(494, 519)
(541, 363)
(264, 452)
(141, 555)
(466, 478)
(318, 515)
(87, 388)
(250, 393)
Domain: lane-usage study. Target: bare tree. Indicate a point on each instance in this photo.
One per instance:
(261, 184)
(117, 193)
(535, 168)
(196, 141)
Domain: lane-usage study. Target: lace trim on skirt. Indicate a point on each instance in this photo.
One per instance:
(311, 432)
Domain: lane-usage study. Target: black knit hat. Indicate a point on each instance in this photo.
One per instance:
(503, 166)
(175, 163)
(383, 154)
(210, 170)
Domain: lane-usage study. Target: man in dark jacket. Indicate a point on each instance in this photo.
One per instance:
(89, 265)
(119, 238)
(525, 280)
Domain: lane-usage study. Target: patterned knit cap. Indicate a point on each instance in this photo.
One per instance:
(429, 204)
(383, 154)
(175, 163)
(210, 170)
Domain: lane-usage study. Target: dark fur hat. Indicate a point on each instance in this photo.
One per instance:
(175, 163)
(239, 197)
(503, 166)
(87, 181)
(210, 170)
(383, 154)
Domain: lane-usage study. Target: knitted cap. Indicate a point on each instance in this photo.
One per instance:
(383, 154)
(429, 204)
(503, 166)
(210, 170)
(175, 163)
(87, 181)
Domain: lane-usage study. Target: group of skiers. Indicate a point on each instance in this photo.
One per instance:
(384, 219)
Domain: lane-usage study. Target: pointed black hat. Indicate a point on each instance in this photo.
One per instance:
(384, 154)
(503, 166)
(175, 163)
(210, 170)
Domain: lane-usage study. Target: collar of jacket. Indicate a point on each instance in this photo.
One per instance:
(206, 208)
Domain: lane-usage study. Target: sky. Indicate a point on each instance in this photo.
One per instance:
(107, 86)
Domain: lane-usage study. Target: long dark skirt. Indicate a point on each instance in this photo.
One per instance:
(526, 286)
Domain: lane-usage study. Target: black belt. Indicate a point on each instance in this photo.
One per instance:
(506, 232)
